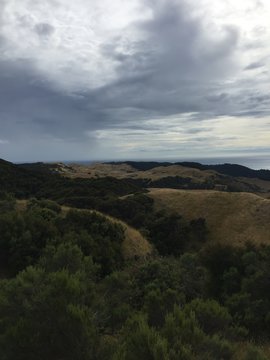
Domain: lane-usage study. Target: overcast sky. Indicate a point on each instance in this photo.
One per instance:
(136, 79)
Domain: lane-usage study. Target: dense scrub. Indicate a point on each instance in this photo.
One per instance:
(25, 235)
(68, 294)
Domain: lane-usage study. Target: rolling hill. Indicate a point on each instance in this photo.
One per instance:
(232, 218)
(167, 175)
(231, 206)
(134, 244)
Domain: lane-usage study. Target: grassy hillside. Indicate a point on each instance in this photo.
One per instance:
(162, 175)
(234, 170)
(232, 218)
(134, 245)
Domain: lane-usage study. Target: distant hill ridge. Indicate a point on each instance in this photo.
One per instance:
(234, 170)
(35, 180)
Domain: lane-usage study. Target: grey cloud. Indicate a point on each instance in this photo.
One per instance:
(176, 68)
(176, 48)
(254, 65)
(44, 29)
(194, 130)
(169, 72)
(218, 97)
(30, 106)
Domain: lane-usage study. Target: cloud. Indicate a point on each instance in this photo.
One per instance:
(3, 142)
(44, 30)
(28, 106)
(84, 75)
(254, 65)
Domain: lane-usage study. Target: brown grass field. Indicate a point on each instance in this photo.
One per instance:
(232, 218)
(122, 171)
(196, 176)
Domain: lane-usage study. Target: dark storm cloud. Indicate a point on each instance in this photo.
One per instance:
(29, 105)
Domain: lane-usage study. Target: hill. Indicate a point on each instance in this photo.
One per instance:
(34, 181)
(232, 218)
(166, 175)
(135, 245)
(226, 169)
(234, 170)
(76, 276)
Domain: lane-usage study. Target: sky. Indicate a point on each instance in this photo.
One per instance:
(136, 79)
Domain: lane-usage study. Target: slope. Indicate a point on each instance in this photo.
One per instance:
(232, 218)
(134, 244)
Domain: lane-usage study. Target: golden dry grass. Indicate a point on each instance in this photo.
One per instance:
(122, 171)
(98, 170)
(176, 170)
(196, 176)
(232, 218)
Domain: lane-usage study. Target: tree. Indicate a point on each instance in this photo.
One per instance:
(142, 342)
(47, 315)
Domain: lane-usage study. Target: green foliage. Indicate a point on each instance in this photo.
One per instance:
(182, 329)
(44, 204)
(142, 342)
(117, 295)
(25, 235)
(136, 210)
(69, 257)
(212, 317)
(42, 311)
(7, 201)
(194, 278)
(169, 235)
(240, 279)
(157, 304)
(104, 242)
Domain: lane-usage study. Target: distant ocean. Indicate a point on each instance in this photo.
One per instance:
(253, 162)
